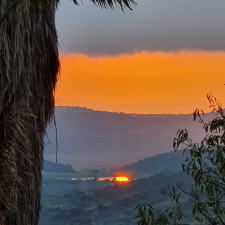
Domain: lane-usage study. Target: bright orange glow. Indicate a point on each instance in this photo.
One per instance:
(121, 179)
(142, 83)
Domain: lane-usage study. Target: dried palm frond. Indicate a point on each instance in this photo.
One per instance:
(29, 67)
(123, 4)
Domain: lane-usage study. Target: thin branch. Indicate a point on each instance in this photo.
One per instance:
(56, 133)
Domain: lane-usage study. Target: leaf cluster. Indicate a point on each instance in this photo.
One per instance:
(205, 163)
(146, 216)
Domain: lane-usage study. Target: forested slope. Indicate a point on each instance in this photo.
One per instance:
(112, 205)
(163, 163)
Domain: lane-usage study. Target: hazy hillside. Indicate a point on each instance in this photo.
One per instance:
(99, 139)
(113, 204)
(164, 163)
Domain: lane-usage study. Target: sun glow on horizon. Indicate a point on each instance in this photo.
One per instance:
(122, 179)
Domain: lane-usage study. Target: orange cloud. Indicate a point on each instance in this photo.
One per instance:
(143, 82)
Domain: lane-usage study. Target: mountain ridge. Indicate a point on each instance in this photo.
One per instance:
(98, 139)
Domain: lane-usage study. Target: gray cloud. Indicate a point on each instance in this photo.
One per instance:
(153, 25)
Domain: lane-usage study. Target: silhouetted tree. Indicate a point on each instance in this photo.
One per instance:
(205, 163)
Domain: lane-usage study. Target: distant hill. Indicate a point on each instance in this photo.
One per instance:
(166, 163)
(51, 167)
(97, 139)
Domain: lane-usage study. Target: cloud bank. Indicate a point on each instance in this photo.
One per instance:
(153, 25)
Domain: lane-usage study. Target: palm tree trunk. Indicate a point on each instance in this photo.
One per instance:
(29, 66)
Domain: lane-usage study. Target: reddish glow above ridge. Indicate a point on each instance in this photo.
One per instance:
(142, 83)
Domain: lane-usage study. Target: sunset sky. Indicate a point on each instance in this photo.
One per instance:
(162, 57)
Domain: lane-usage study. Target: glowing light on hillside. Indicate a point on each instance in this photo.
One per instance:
(121, 179)
(105, 178)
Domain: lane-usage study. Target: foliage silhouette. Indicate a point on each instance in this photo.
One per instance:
(205, 163)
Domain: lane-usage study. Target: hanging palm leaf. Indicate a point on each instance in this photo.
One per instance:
(29, 67)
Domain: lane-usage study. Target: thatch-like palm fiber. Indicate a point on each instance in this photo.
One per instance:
(29, 66)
